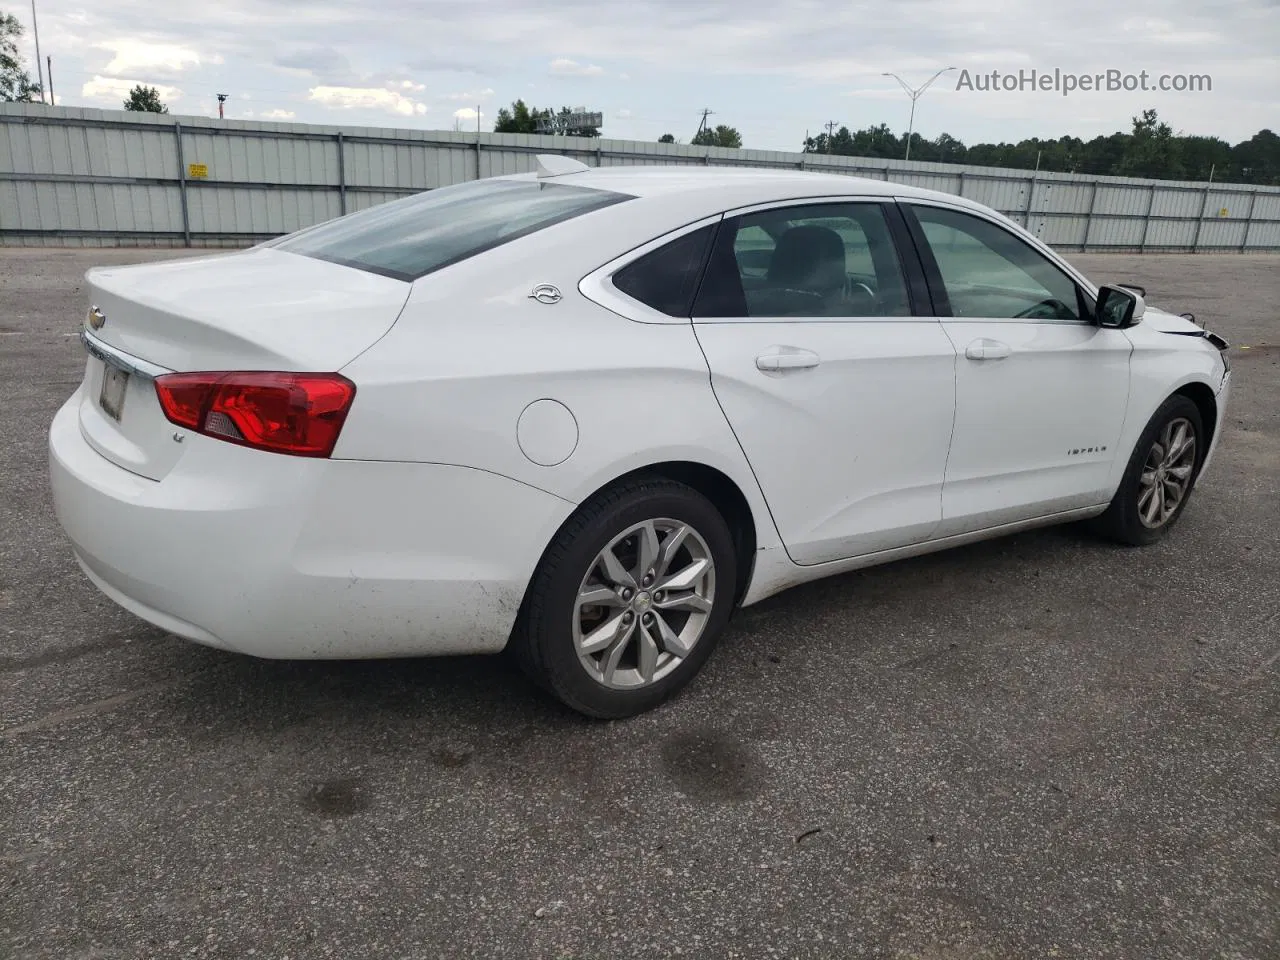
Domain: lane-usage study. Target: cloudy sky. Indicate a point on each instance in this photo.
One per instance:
(772, 68)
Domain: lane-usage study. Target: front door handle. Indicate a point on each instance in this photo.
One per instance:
(985, 348)
(787, 358)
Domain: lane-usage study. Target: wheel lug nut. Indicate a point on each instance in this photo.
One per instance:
(626, 594)
(659, 596)
(628, 617)
(648, 618)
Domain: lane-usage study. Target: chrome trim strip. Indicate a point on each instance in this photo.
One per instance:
(117, 358)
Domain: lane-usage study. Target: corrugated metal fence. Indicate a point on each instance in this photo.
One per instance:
(80, 177)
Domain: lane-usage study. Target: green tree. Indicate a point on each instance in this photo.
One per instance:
(518, 119)
(15, 82)
(1152, 150)
(667, 138)
(721, 136)
(1257, 160)
(145, 100)
(1203, 155)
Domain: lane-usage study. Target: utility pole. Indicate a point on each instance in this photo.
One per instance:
(915, 95)
(703, 125)
(222, 98)
(49, 74)
(831, 132)
(35, 29)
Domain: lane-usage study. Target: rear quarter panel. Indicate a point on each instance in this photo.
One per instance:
(472, 350)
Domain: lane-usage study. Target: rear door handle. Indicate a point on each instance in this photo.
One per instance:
(787, 358)
(985, 348)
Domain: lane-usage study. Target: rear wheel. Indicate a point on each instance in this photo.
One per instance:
(630, 599)
(1160, 476)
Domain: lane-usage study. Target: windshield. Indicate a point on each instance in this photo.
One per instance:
(410, 238)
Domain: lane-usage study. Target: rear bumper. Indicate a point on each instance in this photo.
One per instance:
(288, 557)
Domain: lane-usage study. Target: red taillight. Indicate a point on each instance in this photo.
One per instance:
(297, 413)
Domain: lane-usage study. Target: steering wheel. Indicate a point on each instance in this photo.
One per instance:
(1048, 309)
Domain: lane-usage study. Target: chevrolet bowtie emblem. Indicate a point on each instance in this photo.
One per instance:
(96, 318)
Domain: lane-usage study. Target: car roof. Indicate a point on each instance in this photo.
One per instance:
(734, 186)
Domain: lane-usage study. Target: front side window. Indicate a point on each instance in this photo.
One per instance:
(410, 238)
(988, 272)
(829, 260)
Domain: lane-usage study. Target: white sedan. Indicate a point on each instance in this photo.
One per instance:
(583, 414)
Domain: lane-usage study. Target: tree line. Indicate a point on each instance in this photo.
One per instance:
(1151, 149)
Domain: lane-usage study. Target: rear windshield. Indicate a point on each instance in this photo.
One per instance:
(409, 238)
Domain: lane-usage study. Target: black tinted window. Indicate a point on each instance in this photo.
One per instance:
(412, 237)
(667, 278)
(830, 260)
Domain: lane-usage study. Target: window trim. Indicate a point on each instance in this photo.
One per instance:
(913, 277)
(933, 275)
(597, 286)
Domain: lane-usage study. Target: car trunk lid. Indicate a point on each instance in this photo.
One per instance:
(262, 309)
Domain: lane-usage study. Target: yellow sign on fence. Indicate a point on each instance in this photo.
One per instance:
(198, 171)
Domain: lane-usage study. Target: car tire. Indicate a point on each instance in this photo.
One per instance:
(658, 632)
(1154, 492)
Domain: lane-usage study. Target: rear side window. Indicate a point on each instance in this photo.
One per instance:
(410, 238)
(666, 279)
(816, 261)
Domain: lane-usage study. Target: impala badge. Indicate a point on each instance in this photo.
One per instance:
(96, 318)
(546, 293)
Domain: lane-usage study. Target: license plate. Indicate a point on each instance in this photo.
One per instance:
(115, 382)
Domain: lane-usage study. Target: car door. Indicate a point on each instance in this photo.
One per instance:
(1041, 391)
(841, 397)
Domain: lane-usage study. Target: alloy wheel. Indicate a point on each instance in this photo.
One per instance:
(1167, 473)
(644, 603)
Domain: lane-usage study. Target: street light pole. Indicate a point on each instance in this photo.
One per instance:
(915, 95)
(35, 29)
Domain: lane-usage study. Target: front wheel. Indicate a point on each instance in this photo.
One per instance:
(630, 599)
(1160, 476)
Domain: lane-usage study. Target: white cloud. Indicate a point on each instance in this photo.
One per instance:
(468, 114)
(412, 87)
(571, 68)
(279, 115)
(138, 56)
(366, 98)
(623, 114)
(624, 76)
(117, 88)
(467, 97)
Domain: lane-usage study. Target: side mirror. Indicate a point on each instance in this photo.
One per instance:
(1118, 307)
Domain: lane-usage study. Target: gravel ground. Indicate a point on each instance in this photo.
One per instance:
(1039, 746)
